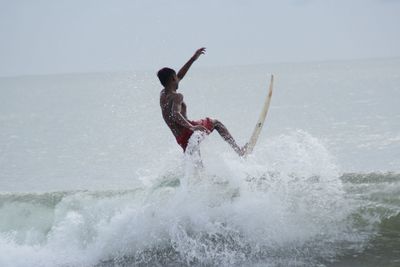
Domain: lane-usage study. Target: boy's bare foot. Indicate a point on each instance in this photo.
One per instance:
(243, 150)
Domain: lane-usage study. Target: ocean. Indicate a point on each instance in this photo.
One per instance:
(90, 175)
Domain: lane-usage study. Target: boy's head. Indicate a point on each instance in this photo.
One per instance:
(166, 75)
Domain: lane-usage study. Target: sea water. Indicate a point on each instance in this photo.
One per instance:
(90, 175)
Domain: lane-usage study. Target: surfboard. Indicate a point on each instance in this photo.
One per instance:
(261, 119)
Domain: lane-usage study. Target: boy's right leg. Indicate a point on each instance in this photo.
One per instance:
(223, 131)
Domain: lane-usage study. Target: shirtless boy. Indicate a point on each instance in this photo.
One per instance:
(174, 109)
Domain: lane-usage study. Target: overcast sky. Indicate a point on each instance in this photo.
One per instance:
(57, 36)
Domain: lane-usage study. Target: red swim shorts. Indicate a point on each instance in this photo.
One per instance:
(183, 138)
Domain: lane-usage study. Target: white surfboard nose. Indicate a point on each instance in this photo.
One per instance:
(261, 119)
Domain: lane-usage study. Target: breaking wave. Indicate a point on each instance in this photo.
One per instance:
(287, 205)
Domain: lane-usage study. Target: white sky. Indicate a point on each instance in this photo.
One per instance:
(56, 36)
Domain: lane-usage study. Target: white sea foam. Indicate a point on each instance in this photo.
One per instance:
(256, 211)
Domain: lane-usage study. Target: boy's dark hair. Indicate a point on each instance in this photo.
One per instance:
(164, 75)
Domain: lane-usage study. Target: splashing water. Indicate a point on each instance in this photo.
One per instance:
(290, 210)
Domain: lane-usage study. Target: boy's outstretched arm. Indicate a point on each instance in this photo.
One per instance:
(185, 68)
